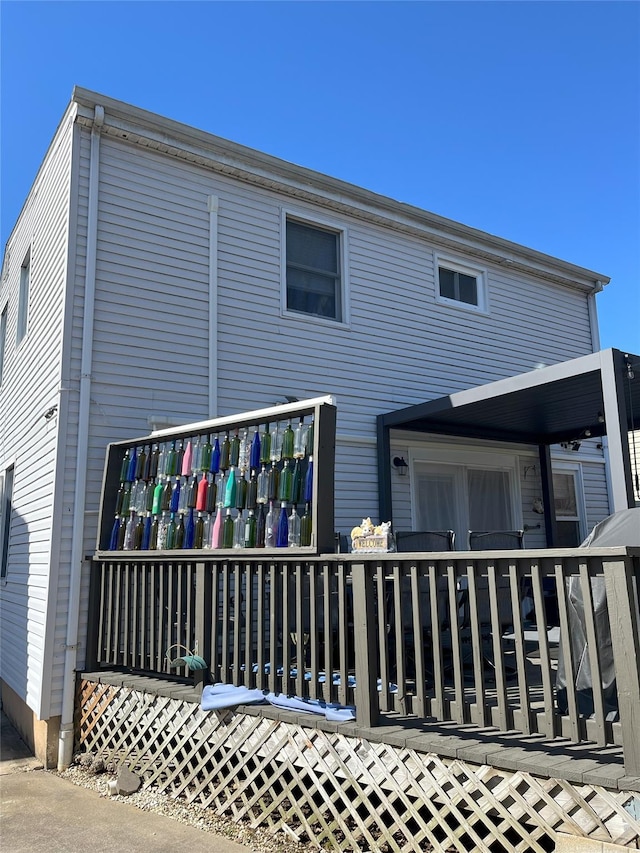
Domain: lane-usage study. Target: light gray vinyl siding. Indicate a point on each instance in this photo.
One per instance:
(30, 387)
(595, 493)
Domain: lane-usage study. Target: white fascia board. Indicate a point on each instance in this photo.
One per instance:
(172, 137)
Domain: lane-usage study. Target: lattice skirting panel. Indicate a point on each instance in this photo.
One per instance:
(341, 793)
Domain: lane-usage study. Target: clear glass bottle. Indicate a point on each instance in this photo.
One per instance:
(300, 440)
(293, 537)
(238, 531)
(129, 532)
(271, 522)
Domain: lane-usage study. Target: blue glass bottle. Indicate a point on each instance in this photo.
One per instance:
(282, 536)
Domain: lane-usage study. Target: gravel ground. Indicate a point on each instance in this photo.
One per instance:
(151, 799)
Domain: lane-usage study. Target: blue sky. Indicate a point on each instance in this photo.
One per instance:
(518, 118)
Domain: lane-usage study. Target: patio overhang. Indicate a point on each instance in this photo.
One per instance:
(594, 395)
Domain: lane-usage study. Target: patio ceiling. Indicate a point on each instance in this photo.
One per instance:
(545, 406)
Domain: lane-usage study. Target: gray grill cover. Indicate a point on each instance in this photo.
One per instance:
(621, 528)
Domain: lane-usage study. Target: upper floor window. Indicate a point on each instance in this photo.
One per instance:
(23, 298)
(461, 285)
(6, 499)
(314, 280)
(3, 338)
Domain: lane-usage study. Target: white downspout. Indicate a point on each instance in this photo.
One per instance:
(593, 316)
(212, 205)
(65, 742)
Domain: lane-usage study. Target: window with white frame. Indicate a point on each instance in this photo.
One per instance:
(3, 338)
(461, 285)
(568, 503)
(23, 297)
(6, 498)
(314, 280)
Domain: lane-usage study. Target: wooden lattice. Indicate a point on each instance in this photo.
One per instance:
(339, 792)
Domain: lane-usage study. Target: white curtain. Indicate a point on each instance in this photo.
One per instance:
(489, 500)
(436, 502)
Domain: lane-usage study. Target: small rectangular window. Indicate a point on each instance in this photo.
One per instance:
(6, 498)
(313, 277)
(23, 299)
(3, 338)
(460, 285)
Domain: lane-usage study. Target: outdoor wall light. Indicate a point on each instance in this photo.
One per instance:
(400, 465)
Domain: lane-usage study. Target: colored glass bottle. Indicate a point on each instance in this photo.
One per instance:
(286, 482)
(241, 491)
(293, 524)
(153, 539)
(265, 445)
(201, 497)
(251, 498)
(273, 482)
(287, 442)
(171, 466)
(174, 505)
(185, 468)
(254, 455)
(154, 459)
(296, 483)
(250, 530)
(282, 535)
(216, 530)
(261, 526)
(227, 530)
(141, 463)
(230, 489)
(146, 533)
(215, 457)
(225, 453)
(198, 534)
(157, 498)
(307, 491)
(133, 461)
(212, 492)
(205, 455)
(179, 542)
(192, 493)
(171, 533)
(189, 530)
(113, 539)
(166, 495)
(234, 450)
(120, 498)
(306, 526)
(179, 456)
(124, 468)
(138, 533)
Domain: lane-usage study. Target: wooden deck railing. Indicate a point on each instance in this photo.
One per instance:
(523, 641)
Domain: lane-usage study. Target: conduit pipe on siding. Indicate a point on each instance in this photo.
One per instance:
(65, 741)
(212, 206)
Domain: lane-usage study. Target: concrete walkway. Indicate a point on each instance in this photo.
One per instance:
(43, 813)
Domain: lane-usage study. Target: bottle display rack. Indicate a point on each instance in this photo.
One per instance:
(257, 480)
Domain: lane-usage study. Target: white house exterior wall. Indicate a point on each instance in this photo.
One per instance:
(151, 343)
(31, 386)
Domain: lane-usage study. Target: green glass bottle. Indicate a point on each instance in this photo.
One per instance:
(179, 542)
(251, 498)
(198, 537)
(205, 455)
(296, 484)
(288, 438)
(241, 491)
(286, 483)
(227, 530)
(234, 450)
(225, 453)
(170, 541)
(261, 526)
(250, 530)
(265, 445)
(306, 526)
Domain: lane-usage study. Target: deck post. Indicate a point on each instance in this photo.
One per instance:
(623, 618)
(203, 622)
(93, 615)
(364, 623)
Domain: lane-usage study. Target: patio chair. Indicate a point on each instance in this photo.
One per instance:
(488, 540)
(427, 540)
